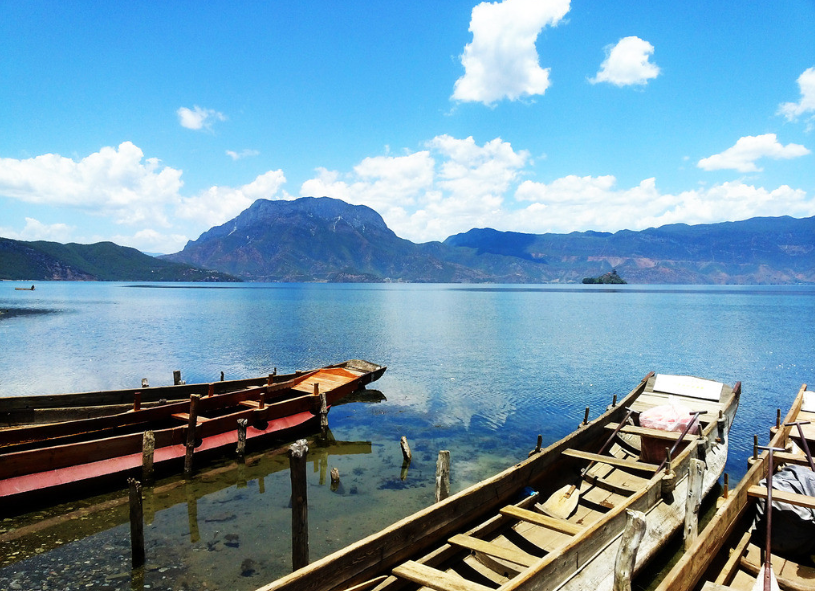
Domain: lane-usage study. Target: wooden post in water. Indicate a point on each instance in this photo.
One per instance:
(136, 523)
(137, 401)
(537, 449)
(443, 475)
(627, 552)
(176, 377)
(298, 453)
(191, 427)
(222, 376)
(211, 390)
(335, 479)
(323, 412)
(192, 512)
(148, 447)
(406, 455)
(696, 474)
(242, 424)
(145, 383)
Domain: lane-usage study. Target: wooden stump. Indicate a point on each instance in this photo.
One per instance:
(443, 476)
(136, 523)
(242, 424)
(191, 427)
(323, 412)
(148, 448)
(298, 453)
(627, 553)
(696, 473)
(176, 377)
(406, 455)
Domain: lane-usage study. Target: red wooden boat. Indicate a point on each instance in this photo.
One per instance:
(41, 458)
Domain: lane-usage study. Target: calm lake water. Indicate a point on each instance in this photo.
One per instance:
(477, 370)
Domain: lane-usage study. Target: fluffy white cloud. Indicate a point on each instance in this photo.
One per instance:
(36, 230)
(198, 118)
(430, 194)
(594, 203)
(114, 182)
(149, 241)
(742, 157)
(627, 63)
(502, 61)
(242, 154)
(219, 204)
(806, 82)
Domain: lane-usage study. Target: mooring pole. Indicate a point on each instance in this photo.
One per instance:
(176, 377)
(627, 552)
(136, 523)
(148, 447)
(298, 453)
(191, 425)
(323, 412)
(696, 473)
(443, 475)
(242, 424)
(406, 455)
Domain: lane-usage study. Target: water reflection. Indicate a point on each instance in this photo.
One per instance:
(34, 533)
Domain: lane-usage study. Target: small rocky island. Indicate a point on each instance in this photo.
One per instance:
(609, 278)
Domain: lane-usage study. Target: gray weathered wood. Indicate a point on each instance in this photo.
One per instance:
(406, 455)
(627, 553)
(136, 523)
(191, 425)
(176, 377)
(298, 453)
(443, 476)
(323, 411)
(148, 449)
(242, 424)
(696, 473)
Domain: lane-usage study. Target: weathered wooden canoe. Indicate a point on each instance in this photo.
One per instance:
(491, 535)
(54, 408)
(725, 556)
(38, 458)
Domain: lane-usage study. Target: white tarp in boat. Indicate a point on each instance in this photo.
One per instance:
(688, 386)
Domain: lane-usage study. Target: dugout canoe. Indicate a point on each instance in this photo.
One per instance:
(726, 556)
(492, 536)
(53, 408)
(35, 460)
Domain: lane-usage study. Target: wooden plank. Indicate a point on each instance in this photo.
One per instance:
(511, 554)
(654, 433)
(783, 457)
(186, 417)
(708, 586)
(782, 496)
(732, 563)
(435, 579)
(560, 525)
(611, 461)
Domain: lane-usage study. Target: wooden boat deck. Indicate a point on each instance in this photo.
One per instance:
(726, 555)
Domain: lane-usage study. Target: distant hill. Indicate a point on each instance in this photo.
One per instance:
(755, 251)
(318, 239)
(104, 261)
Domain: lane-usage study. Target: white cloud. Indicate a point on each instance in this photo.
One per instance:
(502, 61)
(242, 154)
(806, 82)
(594, 203)
(114, 182)
(219, 204)
(627, 63)
(430, 194)
(36, 230)
(150, 241)
(742, 156)
(198, 118)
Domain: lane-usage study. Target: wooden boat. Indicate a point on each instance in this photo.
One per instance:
(726, 556)
(493, 535)
(54, 408)
(39, 458)
(24, 288)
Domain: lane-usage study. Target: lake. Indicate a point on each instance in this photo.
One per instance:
(479, 370)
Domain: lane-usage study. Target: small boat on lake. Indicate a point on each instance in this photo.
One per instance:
(552, 521)
(729, 552)
(37, 459)
(54, 408)
(24, 288)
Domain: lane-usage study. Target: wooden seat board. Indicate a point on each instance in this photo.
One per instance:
(559, 525)
(434, 578)
(611, 461)
(782, 496)
(499, 551)
(652, 433)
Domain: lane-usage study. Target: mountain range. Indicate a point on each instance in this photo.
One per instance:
(323, 239)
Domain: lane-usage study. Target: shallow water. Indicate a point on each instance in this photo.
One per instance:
(478, 370)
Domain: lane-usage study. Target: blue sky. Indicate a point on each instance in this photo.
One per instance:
(148, 123)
